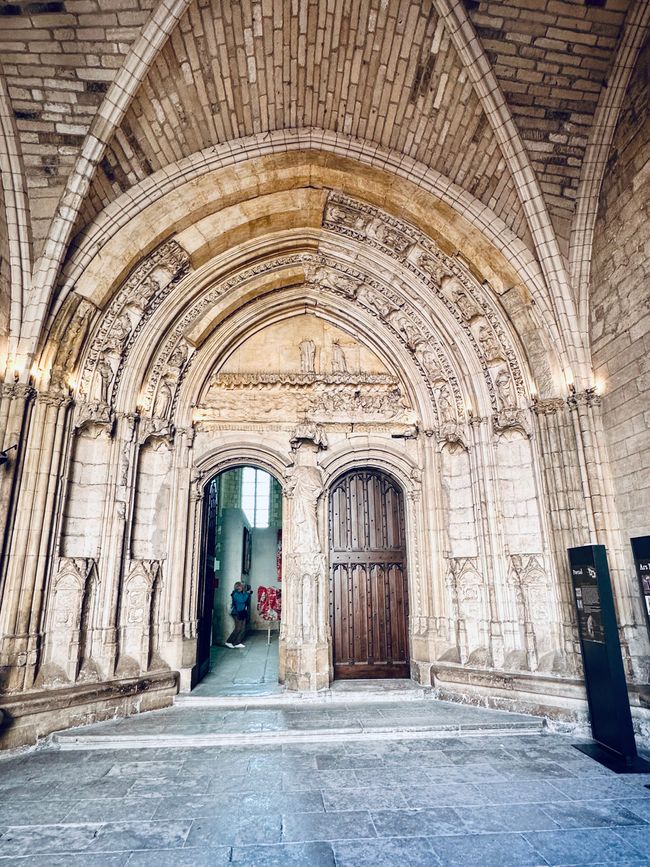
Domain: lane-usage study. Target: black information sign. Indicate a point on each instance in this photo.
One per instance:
(609, 706)
(641, 552)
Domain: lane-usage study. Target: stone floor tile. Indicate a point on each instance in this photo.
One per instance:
(608, 788)
(363, 799)
(582, 847)
(104, 859)
(305, 827)
(639, 806)
(349, 762)
(106, 787)
(485, 850)
(197, 785)
(521, 792)
(417, 823)
(48, 811)
(153, 834)
(410, 852)
(279, 855)
(110, 810)
(23, 790)
(163, 770)
(534, 770)
(296, 781)
(218, 857)
(282, 762)
(638, 838)
(42, 839)
(233, 828)
(591, 814)
(443, 795)
(251, 803)
(475, 772)
(507, 817)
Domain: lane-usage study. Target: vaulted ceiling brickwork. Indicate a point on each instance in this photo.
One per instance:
(383, 72)
(59, 59)
(552, 60)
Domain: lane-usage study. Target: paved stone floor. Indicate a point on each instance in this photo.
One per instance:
(499, 799)
(236, 671)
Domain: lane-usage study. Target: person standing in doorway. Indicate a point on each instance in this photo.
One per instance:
(239, 611)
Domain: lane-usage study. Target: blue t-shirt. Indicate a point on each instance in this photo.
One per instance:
(239, 600)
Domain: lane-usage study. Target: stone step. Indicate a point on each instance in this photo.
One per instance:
(201, 726)
(222, 739)
(350, 692)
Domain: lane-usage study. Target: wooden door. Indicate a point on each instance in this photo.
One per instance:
(368, 589)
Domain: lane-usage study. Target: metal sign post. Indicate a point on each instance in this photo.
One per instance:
(609, 706)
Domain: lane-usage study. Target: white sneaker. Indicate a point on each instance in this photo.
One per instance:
(228, 644)
(240, 645)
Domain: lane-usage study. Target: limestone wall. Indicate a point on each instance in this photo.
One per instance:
(620, 304)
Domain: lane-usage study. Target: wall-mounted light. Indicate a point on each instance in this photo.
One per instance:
(4, 457)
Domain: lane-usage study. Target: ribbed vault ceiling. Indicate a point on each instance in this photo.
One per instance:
(383, 72)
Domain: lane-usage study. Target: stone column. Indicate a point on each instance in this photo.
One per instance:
(30, 543)
(565, 517)
(15, 404)
(604, 526)
(180, 598)
(305, 631)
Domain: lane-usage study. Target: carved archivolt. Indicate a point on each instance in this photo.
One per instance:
(381, 302)
(470, 304)
(410, 318)
(133, 304)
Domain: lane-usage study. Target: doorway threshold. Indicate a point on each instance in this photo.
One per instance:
(340, 692)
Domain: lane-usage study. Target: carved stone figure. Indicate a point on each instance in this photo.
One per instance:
(467, 306)
(71, 339)
(445, 403)
(391, 238)
(339, 364)
(307, 356)
(143, 292)
(431, 267)
(106, 374)
(401, 324)
(505, 389)
(429, 361)
(120, 333)
(346, 218)
(178, 358)
(488, 342)
(163, 400)
(307, 488)
(330, 278)
(310, 433)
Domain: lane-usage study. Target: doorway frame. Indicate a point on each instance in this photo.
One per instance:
(209, 468)
(359, 450)
(382, 453)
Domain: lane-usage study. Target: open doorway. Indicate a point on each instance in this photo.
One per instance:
(242, 542)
